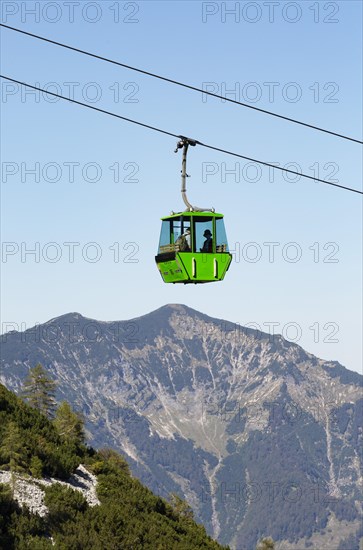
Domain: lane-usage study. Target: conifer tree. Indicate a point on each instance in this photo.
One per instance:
(69, 424)
(36, 467)
(181, 507)
(39, 390)
(13, 452)
(12, 448)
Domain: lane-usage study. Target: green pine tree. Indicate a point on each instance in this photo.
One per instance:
(36, 467)
(69, 424)
(181, 507)
(12, 449)
(39, 390)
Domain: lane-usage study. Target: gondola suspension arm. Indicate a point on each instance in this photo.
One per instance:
(184, 144)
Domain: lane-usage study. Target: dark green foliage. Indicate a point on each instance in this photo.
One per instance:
(36, 467)
(30, 442)
(110, 461)
(130, 516)
(19, 529)
(69, 424)
(28, 530)
(39, 390)
(133, 515)
(12, 452)
(178, 455)
(181, 507)
(7, 508)
(63, 504)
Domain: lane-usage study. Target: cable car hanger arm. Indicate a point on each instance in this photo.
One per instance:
(184, 144)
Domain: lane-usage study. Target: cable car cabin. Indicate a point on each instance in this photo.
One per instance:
(193, 248)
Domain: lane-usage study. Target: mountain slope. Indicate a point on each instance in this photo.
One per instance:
(124, 514)
(261, 437)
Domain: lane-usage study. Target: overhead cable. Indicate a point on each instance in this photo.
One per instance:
(160, 130)
(178, 83)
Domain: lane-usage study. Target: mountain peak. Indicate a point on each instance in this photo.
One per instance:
(206, 406)
(71, 316)
(175, 308)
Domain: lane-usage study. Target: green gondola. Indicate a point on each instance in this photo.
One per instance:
(193, 244)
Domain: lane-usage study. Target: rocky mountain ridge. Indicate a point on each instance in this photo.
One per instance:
(261, 437)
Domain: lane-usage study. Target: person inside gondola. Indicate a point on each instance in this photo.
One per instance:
(208, 243)
(184, 241)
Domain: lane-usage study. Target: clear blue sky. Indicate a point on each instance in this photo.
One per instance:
(300, 59)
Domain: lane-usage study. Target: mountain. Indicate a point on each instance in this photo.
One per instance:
(259, 436)
(101, 509)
